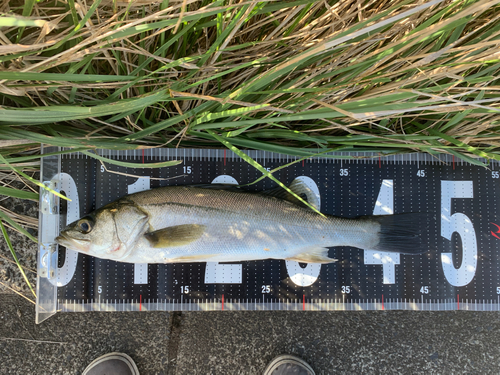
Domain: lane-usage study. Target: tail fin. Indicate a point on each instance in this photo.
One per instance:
(402, 233)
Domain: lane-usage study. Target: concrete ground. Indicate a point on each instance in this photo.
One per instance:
(244, 342)
(231, 342)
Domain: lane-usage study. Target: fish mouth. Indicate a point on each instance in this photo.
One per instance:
(70, 243)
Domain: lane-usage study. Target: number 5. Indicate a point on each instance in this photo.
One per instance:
(462, 225)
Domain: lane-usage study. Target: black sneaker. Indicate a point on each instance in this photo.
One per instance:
(112, 364)
(288, 365)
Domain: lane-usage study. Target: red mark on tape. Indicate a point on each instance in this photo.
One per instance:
(494, 234)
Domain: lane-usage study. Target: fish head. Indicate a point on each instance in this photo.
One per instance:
(109, 233)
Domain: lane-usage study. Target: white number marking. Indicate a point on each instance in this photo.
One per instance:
(185, 289)
(461, 224)
(140, 269)
(344, 172)
(421, 173)
(384, 206)
(187, 169)
(266, 288)
(346, 289)
(308, 275)
(424, 290)
(494, 174)
(216, 273)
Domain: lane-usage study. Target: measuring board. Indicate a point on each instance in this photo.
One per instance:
(461, 271)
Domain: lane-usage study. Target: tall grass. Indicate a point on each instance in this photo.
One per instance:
(283, 76)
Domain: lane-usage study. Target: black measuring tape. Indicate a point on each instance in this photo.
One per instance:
(460, 271)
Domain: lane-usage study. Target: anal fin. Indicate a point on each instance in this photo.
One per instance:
(312, 254)
(191, 258)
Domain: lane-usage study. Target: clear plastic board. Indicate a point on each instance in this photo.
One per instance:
(461, 271)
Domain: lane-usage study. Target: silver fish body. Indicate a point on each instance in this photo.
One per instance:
(191, 224)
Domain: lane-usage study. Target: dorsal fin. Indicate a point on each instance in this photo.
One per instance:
(300, 188)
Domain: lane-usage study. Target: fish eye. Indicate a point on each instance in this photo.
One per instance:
(85, 225)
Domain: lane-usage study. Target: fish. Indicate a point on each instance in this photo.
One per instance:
(210, 223)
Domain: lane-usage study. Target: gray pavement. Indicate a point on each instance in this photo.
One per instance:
(404, 342)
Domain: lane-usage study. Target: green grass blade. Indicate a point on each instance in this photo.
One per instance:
(27, 9)
(55, 77)
(260, 168)
(14, 255)
(465, 147)
(295, 162)
(133, 165)
(51, 114)
(229, 113)
(17, 193)
(17, 227)
(19, 22)
(31, 179)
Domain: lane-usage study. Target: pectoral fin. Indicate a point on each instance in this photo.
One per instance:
(313, 254)
(178, 235)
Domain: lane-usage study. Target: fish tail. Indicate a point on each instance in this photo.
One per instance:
(402, 233)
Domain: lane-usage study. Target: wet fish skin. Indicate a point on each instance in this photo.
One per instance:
(191, 224)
